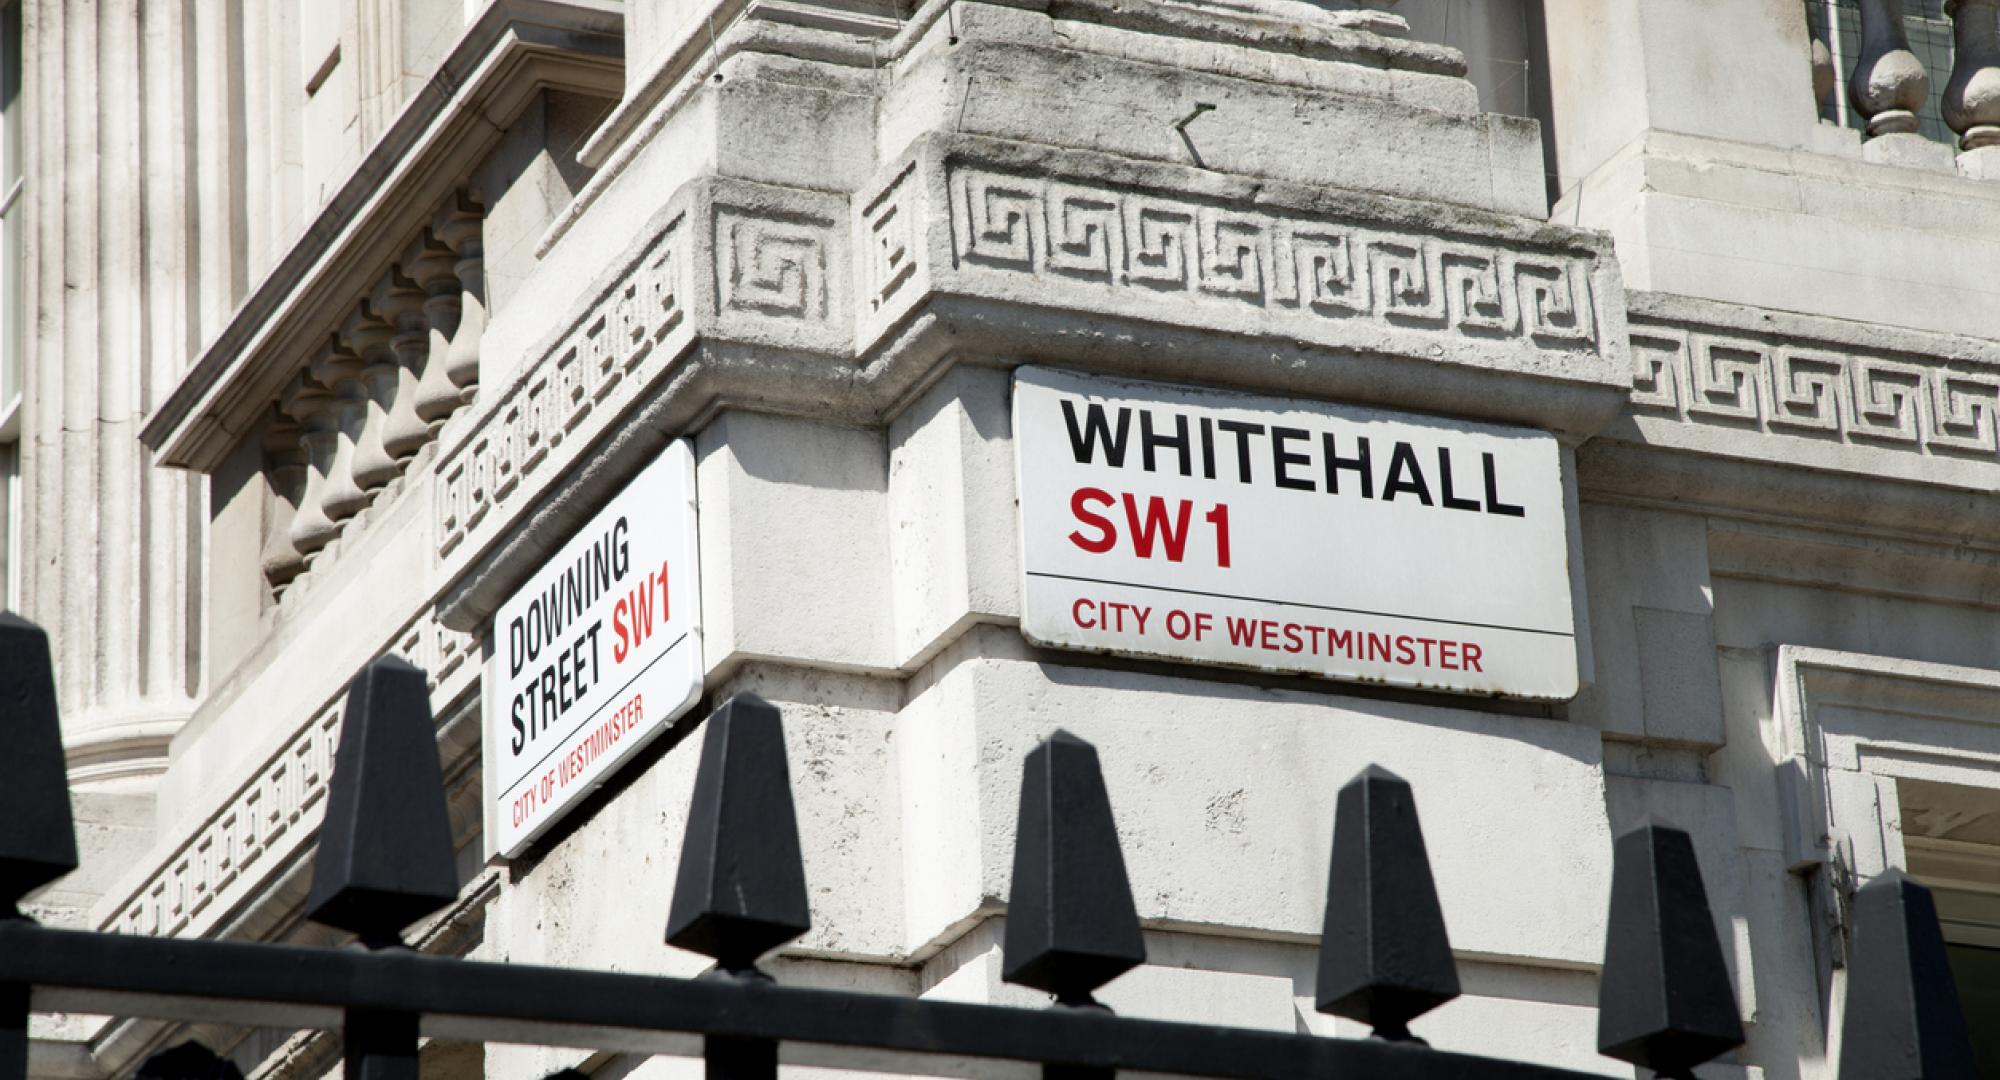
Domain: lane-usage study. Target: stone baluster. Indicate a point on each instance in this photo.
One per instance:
(285, 466)
(339, 369)
(1889, 84)
(435, 266)
(1972, 97)
(401, 302)
(368, 334)
(458, 225)
(311, 407)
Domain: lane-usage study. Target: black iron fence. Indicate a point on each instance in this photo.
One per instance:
(385, 860)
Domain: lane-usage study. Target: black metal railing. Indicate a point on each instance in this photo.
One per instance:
(385, 860)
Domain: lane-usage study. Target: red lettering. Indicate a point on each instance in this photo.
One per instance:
(1156, 527)
(1472, 654)
(1106, 535)
(1405, 654)
(618, 627)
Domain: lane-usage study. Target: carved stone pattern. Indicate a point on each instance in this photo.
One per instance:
(245, 836)
(589, 365)
(774, 266)
(888, 246)
(1823, 388)
(1153, 244)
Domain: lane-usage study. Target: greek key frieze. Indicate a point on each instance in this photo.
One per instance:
(262, 822)
(1150, 243)
(589, 365)
(1825, 389)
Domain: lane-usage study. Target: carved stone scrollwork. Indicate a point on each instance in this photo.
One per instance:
(435, 267)
(1889, 83)
(368, 334)
(1972, 98)
(310, 406)
(285, 466)
(458, 225)
(401, 303)
(337, 368)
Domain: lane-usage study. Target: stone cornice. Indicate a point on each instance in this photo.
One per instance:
(513, 50)
(1788, 419)
(779, 299)
(1816, 392)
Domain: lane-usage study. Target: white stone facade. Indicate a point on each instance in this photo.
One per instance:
(340, 317)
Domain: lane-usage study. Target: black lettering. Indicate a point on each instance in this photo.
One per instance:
(516, 643)
(1242, 429)
(1444, 484)
(1281, 458)
(1207, 448)
(1358, 463)
(621, 557)
(1083, 443)
(1148, 440)
(520, 730)
(1493, 503)
(1402, 461)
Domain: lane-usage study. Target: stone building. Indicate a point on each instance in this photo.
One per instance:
(329, 324)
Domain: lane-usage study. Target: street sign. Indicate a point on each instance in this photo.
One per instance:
(1293, 536)
(595, 655)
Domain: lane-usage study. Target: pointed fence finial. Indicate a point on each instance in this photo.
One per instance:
(741, 891)
(1071, 926)
(385, 854)
(188, 1061)
(1903, 1017)
(38, 839)
(1384, 958)
(1664, 999)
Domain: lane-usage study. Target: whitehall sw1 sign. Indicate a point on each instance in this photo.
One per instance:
(1292, 536)
(595, 655)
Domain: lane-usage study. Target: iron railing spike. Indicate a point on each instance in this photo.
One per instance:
(189, 1060)
(1071, 926)
(1664, 998)
(1903, 1020)
(38, 840)
(1384, 956)
(741, 888)
(385, 855)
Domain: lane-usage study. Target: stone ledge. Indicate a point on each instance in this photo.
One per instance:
(1817, 393)
(515, 49)
(777, 299)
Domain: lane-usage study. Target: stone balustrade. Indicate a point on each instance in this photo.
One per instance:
(1889, 86)
(376, 391)
(1972, 97)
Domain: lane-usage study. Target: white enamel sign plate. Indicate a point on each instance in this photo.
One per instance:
(1292, 536)
(595, 655)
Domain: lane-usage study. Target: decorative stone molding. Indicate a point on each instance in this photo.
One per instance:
(1183, 246)
(1845, 396)
(728, 258)
(791, 299)
(512, 51)
(1184, 251)
(378, 390)
(257, 829)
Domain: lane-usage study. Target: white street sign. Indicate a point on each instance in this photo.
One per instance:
(595, 655)
(1292, 536)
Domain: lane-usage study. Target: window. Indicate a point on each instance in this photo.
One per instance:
(13, 338)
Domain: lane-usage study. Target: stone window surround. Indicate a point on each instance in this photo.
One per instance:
(1846, 728)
